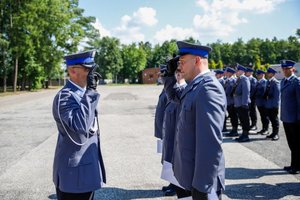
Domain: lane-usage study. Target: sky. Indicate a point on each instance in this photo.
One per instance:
(205, 20)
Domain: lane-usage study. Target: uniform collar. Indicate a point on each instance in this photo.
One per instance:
(200, 74)
(289, 78)
(78, 90)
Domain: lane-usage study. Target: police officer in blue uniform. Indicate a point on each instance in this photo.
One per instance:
(220, 76)
(261, 101)
(230, 83)
(159, 118)
(289, 115)
(78, 168)
(252, 105)
(169, 126)
(241, 94)
(198, 155)
(272, 96)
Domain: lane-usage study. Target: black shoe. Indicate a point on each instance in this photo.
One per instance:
(275, 137)
(232, 134)
(270, 136)
(253, 127)
(264, 132)
(170, 192)
(294, 171)
(287, 168)
(165, 188)
(242, 138)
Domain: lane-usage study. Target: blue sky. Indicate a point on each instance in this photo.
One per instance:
(206, 20)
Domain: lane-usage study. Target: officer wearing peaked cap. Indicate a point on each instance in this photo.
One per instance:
(290, 112)
(252, 107)
(261, 101)
(220, 76)
(198, 155)
(230, 83)
(272, 96)
(78, 168)
(241, 95)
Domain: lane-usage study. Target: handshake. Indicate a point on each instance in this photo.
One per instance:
(172, 65)
(92, 78)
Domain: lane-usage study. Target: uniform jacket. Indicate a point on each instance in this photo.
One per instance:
(253, 82)
(77, 169)
(228, 90)
(198, 156)
(272, 93)
(242, 92)
(159, 114)
(290, 100)
(260, 91)
(222, 80)
(169, 127)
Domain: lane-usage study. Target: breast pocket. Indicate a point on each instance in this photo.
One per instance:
(187, 112)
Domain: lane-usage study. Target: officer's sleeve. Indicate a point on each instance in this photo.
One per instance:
(172, 94)
(276, 94)
(210, 114)
(78, 117)
(245, 91)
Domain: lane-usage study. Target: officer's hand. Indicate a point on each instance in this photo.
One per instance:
(172, 65)
(92, 79)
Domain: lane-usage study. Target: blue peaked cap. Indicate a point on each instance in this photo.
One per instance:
(260, 71)
(230, 70)
(287, 63)
(248, 69)
(241, 67)
(271, 70)
(82, 58)
(219, 71)
(194, 49)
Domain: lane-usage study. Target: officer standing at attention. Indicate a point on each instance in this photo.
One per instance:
(289, 115)
(252, 105)
(199, 164)
(220, 76)
(241, 96)
(159, 118)
(78, 168)
(230, 83)
(272, 96)
(169, 127)
(261, 101)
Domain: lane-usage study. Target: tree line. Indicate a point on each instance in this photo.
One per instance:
(36, 34)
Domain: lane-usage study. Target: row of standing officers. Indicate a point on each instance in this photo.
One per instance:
(192, 139)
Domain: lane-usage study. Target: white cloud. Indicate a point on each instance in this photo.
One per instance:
(221, 17)
(103, 31)
(130, 27)
(178, 33)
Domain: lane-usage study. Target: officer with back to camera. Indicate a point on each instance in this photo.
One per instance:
(272, 96)
(261, 101)
(78, 168)
(199, 164)
(241, 96)
(290, 112)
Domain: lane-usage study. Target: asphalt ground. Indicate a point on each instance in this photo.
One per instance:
(28, 137)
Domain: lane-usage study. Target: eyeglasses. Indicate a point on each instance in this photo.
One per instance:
(182, 62)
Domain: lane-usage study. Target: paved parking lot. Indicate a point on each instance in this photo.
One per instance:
(28, 136)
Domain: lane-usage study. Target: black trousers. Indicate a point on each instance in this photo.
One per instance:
(243, 114)
(74, 196)
(252, 112)
(293, 139)
(233, 116)
(272, 114)
(197, 195)
(263, 117)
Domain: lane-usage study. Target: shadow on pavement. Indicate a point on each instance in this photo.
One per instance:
(244, 173)
(263, 191)
(110, 193)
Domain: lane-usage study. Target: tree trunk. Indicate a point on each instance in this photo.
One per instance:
(16, 74)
